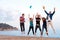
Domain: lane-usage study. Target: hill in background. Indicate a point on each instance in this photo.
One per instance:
(4, 26)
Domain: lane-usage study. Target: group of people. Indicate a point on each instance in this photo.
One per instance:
(46, 22)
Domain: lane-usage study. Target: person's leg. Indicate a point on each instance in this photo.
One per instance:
(46, 30)
(42, 31)
(29, 30)
(21, 27)
(47, 25)
(36, 29)
(33, 30)
(52, 26)
(40, 28)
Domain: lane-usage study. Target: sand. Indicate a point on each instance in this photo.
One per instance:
(25, 38)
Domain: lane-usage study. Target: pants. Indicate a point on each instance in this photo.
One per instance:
(37, 26)
(22, 27)
(50, 23)
(43, 29)
(31, 27)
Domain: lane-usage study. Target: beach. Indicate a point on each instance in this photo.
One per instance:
(25, 38)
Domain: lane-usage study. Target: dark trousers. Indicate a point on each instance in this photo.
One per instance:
(37, 28)
(31, 27)
(44, 27)
(22, 27)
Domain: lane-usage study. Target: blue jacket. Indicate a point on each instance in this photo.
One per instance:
(51, 14)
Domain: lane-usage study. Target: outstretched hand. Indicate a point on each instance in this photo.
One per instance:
(33, 16)
(44, 7)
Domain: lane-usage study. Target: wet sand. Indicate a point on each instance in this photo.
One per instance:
(26, 38)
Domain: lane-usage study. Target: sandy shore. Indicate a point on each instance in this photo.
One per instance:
(25, 38)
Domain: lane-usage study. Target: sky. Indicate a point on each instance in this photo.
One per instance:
(11, 10)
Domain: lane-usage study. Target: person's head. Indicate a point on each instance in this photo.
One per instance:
(49, 12)
(43, 19)
(31, 19)
(23, 14)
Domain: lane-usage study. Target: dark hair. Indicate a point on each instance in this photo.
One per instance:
(23, 14)
(30, 19)
(43, 18)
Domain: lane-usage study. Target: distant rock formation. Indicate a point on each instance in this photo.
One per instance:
(4, 26)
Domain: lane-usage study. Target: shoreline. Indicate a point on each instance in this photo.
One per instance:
(4, 37)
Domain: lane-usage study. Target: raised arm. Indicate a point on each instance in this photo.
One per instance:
(53, 11)
(33, 16)
(40, 16)
(45, 10)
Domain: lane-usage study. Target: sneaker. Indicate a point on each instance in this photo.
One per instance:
(47, 33)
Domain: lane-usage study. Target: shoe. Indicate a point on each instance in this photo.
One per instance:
(47, 33)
